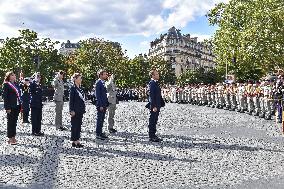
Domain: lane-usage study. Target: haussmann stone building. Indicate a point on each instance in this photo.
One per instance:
(182, 51)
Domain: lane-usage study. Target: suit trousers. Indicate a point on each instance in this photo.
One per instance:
(58, 111)
(12, 119)
(76, 123)
(110, 115)
(36, 115)
(100, 122)
(26, 115)
(153, 123)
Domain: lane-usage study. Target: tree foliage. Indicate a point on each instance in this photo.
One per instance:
(250, 38)
(199, 76)
(19, 53)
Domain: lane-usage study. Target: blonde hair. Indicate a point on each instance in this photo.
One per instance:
(7, 76)
(75, 76)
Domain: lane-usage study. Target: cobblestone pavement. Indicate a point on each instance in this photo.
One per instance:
(202, 148)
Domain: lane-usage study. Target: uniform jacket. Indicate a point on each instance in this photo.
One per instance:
(111, 92)
(36, 95)
(26, 97)
(58, 90)
(76, 103)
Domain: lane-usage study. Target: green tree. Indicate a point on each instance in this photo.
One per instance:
(18, 54)
(250, 38)
(95, 54)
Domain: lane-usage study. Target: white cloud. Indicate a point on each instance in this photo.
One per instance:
(145, 43)
(72, 19)
(201, 37)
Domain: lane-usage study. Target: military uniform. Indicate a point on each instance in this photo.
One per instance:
(256, 95)
(36, 108)
(267, 101)
(26, 97)
(227, 97)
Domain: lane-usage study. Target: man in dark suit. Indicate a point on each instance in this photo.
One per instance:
(155, 104)
(101, 104)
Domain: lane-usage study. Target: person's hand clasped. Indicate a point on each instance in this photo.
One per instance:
(72, 113)
(102, 109)
(8, 111)
(155, 109)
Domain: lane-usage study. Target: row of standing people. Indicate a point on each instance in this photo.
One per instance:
(260, 98)
(28, 97)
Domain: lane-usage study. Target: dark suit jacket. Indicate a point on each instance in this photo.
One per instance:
(155, 97)
(10, 96)
(101, 94)
(76, 104)
(36, 95)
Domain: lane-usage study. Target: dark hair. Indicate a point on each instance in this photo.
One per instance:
(101, 72)
(61, 72)
(151, 73)
(7, 76)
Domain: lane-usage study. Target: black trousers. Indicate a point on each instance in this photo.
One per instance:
(153, 123)
(76, 123)
(26, 115)
(36, 116)
(12, 119)
(100, 121)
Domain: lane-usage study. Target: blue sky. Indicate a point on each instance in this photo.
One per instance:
(133, 23)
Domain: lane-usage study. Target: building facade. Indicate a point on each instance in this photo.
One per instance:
(182, 51)
(68, 48)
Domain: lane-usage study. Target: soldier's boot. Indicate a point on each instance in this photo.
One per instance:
(255, 113)
(267, 117)
(261, 115)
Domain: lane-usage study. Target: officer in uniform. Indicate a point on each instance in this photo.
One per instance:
(58, 99)
(261, 100)
(212, 93)
(249, 94)
(111, 94)
(227, 97)
(267, 100)
(220, 96)
(278, 96)
(233, 100)
(256, 95)
(242, 98)
(26, 97)
(36, 105)
(173, 94)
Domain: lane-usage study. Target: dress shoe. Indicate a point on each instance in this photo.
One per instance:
(112, 131)
(102, 136)
(38, 134)
(62, 129)
(12, 142)
(155, 139)
(78, 145)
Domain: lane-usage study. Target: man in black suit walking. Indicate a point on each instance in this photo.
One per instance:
(155, 104)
